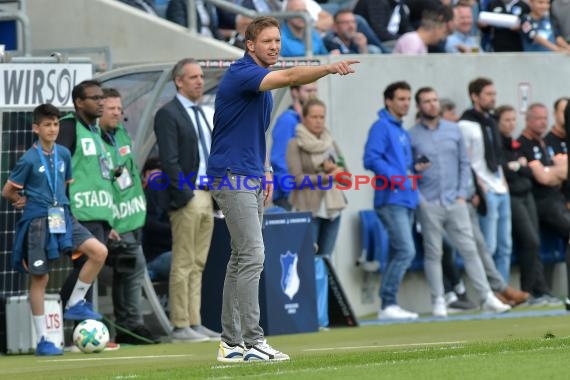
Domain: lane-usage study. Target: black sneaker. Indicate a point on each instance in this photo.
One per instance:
(567, 304)
(461, 304)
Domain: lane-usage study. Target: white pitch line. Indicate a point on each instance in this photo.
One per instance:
(386, 346)
(116, 358)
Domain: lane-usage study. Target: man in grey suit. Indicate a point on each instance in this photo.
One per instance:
(184, 137)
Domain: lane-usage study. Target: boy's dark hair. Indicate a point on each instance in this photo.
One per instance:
(79, 89)
(109, 92)
(44, 111)
(151, 163)
(477, 85)
(392, 87)
(310, 103)
(421, 91)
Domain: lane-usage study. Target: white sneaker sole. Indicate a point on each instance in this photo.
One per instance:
(230, 360)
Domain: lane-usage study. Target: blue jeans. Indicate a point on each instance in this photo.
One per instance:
(325, 232)
(159, 267)
(398, 223)
(496, 227)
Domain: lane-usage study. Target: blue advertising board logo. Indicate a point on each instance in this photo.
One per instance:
(289, 277)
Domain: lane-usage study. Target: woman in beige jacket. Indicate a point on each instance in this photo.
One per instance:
(314, 159)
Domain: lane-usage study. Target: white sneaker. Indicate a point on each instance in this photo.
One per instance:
(493, 305)
(396, 312)
(450, 297)
(439, 309)
(230, 354)
(187, 335)
(264, 352)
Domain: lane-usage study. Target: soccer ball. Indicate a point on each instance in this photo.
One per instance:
(91, 336)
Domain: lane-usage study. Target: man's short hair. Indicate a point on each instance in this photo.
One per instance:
(477, 85)
(423, 90)
(258, 24)
(78, 91)
(109, 92)
(178, 69)
(533, 106)
(341, 12)
(45, 111)
(499, 111)
(431, 19)
(558, 101)
(392, 87)
(151, 163)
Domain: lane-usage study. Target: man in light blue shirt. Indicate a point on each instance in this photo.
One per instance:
(439, 150)
(462, 39)
(293, 34)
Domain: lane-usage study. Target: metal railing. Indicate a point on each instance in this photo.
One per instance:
(238, 9)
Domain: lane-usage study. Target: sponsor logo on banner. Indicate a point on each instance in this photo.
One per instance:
(289, 276)
(28, 85)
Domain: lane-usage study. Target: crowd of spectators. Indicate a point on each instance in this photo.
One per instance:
(386, 26)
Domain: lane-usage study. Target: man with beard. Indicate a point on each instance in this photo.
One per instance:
(443, 189)
(483, 144)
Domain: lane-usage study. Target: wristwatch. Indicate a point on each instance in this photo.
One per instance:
(268, 169)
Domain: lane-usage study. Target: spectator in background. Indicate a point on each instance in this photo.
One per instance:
(314, 154)
(345, 38)
(560, 17)
(146, 6)
(448, 110)
(157, 234)
(462, 40)
(483, 142)
(526, 230)
(506, 39)
(207, 17)
(440, 156)
(183, 134)
(388, 153)
(293, 33)
(322, 20)
(537, 31)
(556, 140)
(283, 131)
(548, 173)
(127, 282)
(388, 18)
(432, 29)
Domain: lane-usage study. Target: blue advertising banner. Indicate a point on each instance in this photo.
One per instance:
(287, 286)
(287, 290)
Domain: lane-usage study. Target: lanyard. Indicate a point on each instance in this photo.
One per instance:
(113, 141)
(97, 137)
(52, 185)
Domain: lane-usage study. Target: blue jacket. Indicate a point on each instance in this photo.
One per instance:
(388, 153)
(54, 244)
(283, 132)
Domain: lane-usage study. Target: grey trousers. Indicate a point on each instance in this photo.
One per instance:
(493, 276)
(455, 221)
(243, 210)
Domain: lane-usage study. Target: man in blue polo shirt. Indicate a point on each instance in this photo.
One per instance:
(238, 161)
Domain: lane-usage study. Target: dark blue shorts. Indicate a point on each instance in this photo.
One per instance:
(36, 260)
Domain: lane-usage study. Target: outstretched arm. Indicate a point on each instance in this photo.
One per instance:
(300, 75)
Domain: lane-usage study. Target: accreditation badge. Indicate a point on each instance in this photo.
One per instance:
(56, 220)
(125, 180)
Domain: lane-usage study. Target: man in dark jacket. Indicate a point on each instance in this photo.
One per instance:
(183, 135)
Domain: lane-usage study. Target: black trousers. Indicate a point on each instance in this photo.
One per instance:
(553, 214)
(526, 244)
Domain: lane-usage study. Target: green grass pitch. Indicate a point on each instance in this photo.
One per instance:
(513, 348)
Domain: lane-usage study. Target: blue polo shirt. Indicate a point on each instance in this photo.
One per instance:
(241, 119)
(292, 46)
(29, 174)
